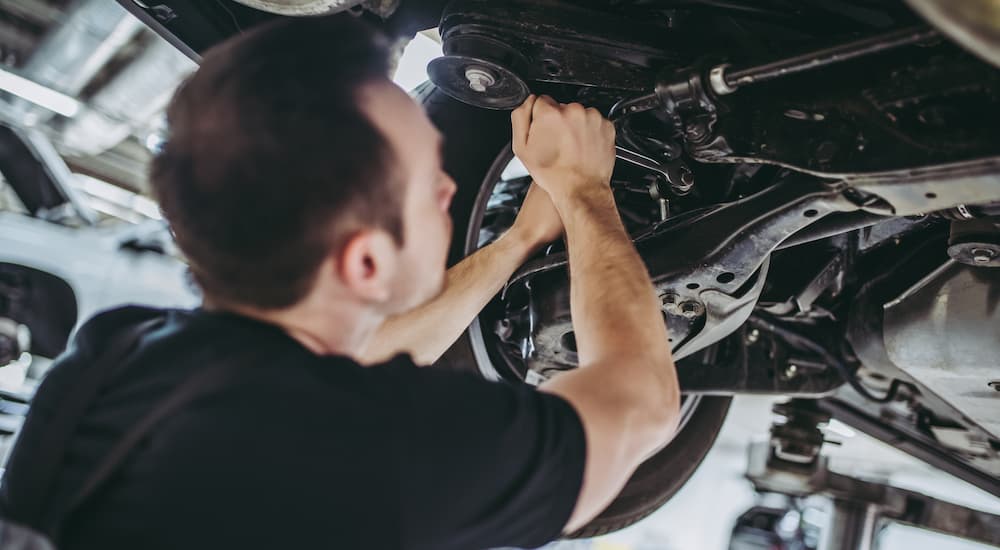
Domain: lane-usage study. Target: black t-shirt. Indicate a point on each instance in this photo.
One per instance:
(302, 451)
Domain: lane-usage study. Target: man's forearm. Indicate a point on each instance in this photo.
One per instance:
(612, 300)
(616, 313)
(429, 330)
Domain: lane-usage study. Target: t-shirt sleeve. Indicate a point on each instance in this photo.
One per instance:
(482, 464)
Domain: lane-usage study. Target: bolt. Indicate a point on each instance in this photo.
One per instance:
(479, 79)
(796, 114)
(683, 183)
(753, 336)
(791, 371)
(504, 330)
(687, 178)
(995, 384)
(696, 132)
(669, 298)
(982, 255)
(692, 310)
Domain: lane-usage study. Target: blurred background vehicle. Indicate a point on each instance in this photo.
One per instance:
(70, 246)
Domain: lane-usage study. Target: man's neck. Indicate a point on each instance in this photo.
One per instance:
(325, 329)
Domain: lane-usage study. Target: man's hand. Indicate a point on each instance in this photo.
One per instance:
(427, 331)
(564, 147)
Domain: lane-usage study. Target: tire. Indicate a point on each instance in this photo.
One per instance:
(474, 141)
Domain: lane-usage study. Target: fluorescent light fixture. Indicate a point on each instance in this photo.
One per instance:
(107, 196)
(39, 95)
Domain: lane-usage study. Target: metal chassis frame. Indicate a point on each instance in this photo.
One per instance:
(910, 443)
(711, 279)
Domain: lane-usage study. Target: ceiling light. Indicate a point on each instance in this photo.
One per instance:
(39, 95)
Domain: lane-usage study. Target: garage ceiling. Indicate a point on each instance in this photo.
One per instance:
(120, 74)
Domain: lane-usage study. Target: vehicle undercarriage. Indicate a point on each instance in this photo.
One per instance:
(777, 198)
(814, 187)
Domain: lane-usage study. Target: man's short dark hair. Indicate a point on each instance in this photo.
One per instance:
(270, 162)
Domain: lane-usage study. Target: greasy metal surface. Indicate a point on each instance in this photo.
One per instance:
(714, 254)
(722, 267)
(732, 239)
(945, 332)
(567, 43)
(904, 109)
(911, 192)
(804, 298)
(822, 58)
(835, 224)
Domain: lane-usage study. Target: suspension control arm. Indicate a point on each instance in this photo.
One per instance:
(710, 266)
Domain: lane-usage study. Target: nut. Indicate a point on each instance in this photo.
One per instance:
(692, 310)
(479, 79)
(982, 255)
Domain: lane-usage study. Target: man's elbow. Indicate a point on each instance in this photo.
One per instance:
(656, 412)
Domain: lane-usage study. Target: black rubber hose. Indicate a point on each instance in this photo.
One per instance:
(804, 342)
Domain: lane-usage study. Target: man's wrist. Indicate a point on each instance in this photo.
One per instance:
(569, 186)
(588, 198)
(523, 238)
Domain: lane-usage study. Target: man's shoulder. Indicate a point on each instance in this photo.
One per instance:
(104, 324)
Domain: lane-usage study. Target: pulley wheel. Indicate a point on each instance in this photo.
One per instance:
(301, 7)
(478, 82)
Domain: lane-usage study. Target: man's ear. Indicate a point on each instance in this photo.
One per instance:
(367, 265)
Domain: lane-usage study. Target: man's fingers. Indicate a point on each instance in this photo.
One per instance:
(544, 104)
(608, 128)
(520, 121)
(548, 100)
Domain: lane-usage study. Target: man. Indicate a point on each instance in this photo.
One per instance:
(307, 192)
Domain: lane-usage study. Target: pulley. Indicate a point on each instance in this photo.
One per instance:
(480, 71)
(975, 243)
(301, 7)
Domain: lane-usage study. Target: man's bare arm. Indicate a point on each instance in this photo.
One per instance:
(429, 330)
(626, 387)
(625, 390)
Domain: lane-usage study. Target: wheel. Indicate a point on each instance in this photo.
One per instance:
(476, 154)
